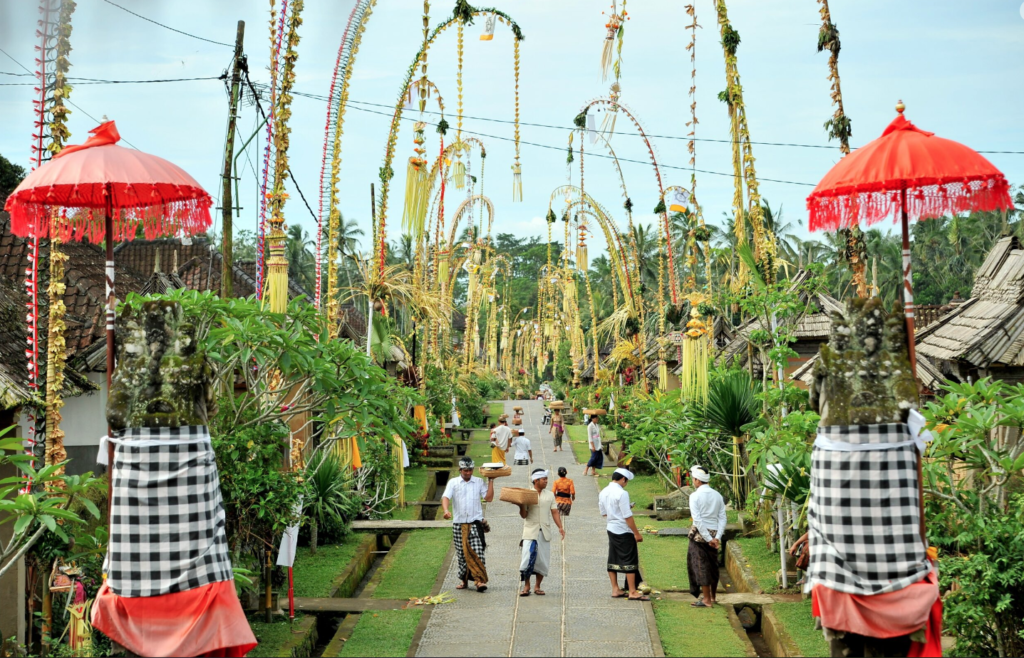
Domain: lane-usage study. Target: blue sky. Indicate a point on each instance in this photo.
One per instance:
(957, 65)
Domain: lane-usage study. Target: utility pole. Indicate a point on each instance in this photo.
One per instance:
(227, 204)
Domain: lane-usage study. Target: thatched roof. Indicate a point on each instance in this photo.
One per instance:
(988, 328)
(927, 374)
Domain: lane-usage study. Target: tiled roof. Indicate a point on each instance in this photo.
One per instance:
(85, 278)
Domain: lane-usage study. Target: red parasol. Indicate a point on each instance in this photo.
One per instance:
(125, 188)
(911, 172)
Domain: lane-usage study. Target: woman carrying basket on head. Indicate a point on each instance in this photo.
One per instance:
(556, 428)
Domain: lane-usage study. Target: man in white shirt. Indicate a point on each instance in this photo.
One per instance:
(523, 455)
(594, 441)
(465, 493)
(536, 544)
(502, 439)
(623, 536)
(707, 507)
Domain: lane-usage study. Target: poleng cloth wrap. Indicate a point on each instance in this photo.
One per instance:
(863, 513)
(167, 530)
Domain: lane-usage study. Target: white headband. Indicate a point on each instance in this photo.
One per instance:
(624, 473)
(699, 473)
(538, 475)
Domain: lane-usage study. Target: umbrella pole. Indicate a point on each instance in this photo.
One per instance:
(908, 309)
(908, 285)
(108, 226)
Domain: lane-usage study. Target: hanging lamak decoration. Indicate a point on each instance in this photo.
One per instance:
(517, 168)
(696, 354)
(488, 32)
(417, 187)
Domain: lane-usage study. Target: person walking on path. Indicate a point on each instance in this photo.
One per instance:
(707, 507)
(565, 492)
(594, 440)
(465, 494)
(556, 429)
(536, 543)
(623, 536)
(523, 455)
(502, 439)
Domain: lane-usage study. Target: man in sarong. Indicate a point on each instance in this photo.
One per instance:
(594, 441)
(708, 511)
(623, 536)
(536, 543)
(502, 439)
(465, 494)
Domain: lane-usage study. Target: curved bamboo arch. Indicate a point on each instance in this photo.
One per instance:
(581, 121)
(337, 103)
(608, 227)
(463, 15)
(467, 203)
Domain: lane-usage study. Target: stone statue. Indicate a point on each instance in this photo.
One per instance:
(863, 374)
(161, 380)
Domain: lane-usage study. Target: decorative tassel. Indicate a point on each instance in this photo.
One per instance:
(471, 288)
(442, 269)
(696, 354)
(277, 275)
(458, 171)
(416, 193)
(663, 375)
(517, 182)
(614, 21)
(581, 258)
(607, 129)
(417, 190)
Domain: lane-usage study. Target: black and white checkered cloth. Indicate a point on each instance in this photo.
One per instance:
(863, 513)
(167, 518)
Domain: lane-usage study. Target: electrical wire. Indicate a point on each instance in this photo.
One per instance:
(95, 81)
(66, 100)
(562, 148)
(168, 27)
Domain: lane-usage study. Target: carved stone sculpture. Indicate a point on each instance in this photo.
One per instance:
(161, 379)
(863, 374)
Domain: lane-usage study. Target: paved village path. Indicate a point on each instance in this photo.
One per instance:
(577, 617)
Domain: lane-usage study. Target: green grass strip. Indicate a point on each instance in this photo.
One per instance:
(272, 637)
(414, 568)
(663, 563)
(314, 574)
(687, 631)
(496, 409)
(797, 620)
(384, 633)
(763, 561)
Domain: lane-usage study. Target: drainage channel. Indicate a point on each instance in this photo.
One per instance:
(327, 623)
(430, 510)
(749, 618)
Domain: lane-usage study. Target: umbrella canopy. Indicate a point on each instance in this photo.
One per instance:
(939, 176)
(139, 188)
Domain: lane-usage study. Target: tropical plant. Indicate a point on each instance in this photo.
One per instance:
(49, 507)
(732, 406)
(330, 501)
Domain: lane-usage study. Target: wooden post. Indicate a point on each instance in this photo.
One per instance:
(227, 201)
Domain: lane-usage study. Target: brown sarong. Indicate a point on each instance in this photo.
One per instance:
(701, 562)
(469, 549)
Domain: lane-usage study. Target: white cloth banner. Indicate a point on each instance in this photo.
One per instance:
(289, 542)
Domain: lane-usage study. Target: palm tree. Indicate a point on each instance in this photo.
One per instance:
(301, 262)
(347, 243)
(646, 240)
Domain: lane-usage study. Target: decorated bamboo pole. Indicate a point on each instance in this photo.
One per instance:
(56, 354)
(333, 132)
(277, 263)
(764, 241)
(839, 127)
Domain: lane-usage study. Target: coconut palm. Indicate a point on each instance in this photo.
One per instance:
(299, 252)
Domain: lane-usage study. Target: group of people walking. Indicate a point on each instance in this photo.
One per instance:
(462, 503)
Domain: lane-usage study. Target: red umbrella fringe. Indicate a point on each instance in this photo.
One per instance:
(868, 204)
(188, 217)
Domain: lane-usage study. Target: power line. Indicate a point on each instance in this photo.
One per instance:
(168, 27)
(66, 100)
(96, 81)
(562, 148)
